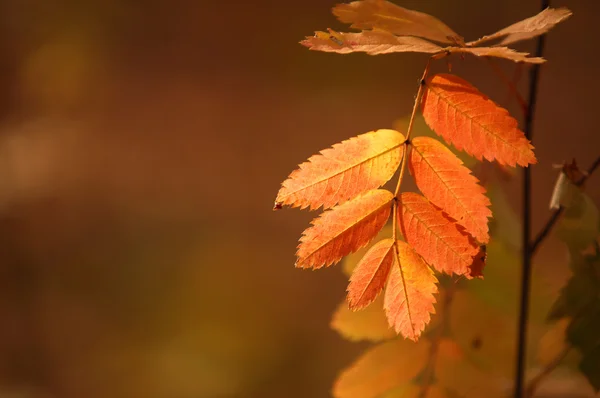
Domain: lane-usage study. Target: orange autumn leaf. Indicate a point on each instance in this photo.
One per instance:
(529, 27)
(382, 368)
(470, 121)
(344, 171)
(434, 236)
(344, 229)
(370, 41)
(409, 293)
(369, 276)
(442, 178)
(379, 14)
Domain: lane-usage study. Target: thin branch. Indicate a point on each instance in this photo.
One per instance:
(557, 213)
(534, 383)
(419, 95)
(527, 254)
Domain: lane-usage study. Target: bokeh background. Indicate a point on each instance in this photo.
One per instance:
(142, 144)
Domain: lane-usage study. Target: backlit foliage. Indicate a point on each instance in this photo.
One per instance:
(442, 230)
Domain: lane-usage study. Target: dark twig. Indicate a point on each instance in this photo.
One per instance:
(527, 254)
(557, 213)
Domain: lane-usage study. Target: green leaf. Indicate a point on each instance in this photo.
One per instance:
(584, 331)
(578, 227)
(590, 367)
(579, 292)
(581, 289)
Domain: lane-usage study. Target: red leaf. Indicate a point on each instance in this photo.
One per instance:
(344, 229)
(369, 276)
(471, 122)
(443, 179)
(434, 236)
(344, 171)
(409, 294)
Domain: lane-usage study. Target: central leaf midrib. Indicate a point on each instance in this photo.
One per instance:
(330, 241)
(447, 186)
(438, 236)
(323, 179)
(412, 325)
(472, 119)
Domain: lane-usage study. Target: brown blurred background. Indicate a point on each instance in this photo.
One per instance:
(141, 147)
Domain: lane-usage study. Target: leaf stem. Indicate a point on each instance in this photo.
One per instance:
(418, 98)
(406, 149)
(534, 383)
(526, 247)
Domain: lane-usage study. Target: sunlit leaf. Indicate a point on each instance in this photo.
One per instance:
(409, 295)
(434, 236)
(344, 229)
(370, 275)
(449, 185)
(471, 122)
(344, 171)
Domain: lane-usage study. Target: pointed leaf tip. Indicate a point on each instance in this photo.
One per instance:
(409, 296)
(370, 275)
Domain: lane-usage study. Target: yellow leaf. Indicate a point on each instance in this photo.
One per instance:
(367, 324)
(381, 369)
